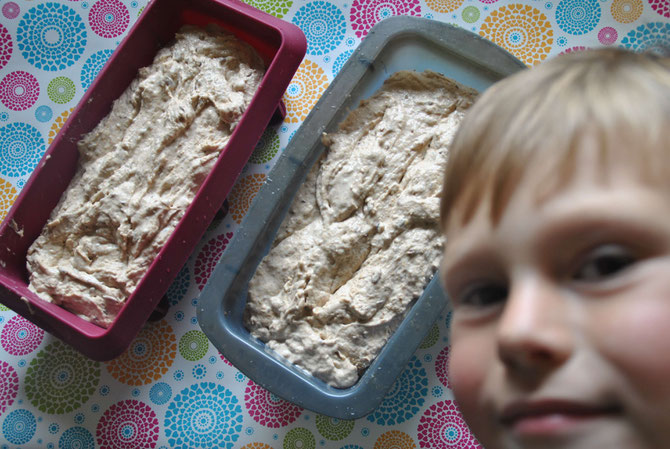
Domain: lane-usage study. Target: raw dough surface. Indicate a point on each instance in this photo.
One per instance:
(361, 238)
(139, 170)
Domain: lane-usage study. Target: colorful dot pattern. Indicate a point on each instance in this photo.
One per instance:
(172, 388)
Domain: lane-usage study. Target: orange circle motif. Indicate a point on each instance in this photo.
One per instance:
(305, 89)
(626, 11)
(395, 439)
(256, 446)
(522, 30)
(149, 356)
(444, 5)
(242, 195)
(7, 197)
(58, 124)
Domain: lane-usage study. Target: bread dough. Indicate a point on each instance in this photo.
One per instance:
(361, 238)
(139, 170)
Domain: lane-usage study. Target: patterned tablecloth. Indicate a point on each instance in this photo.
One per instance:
(172, 388)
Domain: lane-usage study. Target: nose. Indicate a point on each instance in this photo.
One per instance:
(535, 331)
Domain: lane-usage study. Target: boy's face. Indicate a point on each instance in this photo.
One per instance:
(561, 322)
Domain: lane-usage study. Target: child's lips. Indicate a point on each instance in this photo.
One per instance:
(552, 417)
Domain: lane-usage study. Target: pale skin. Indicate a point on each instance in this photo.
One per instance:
(561, 322)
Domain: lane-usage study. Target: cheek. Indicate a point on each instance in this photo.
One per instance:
(469, 362)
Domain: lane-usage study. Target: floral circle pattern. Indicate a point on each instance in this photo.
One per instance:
(20, 336)
(267, 408)
(58, 124)
(626, 11)
(256, 445)
(51, 36)
(277, 8)
(470, 14)
(193, 345)
(661, 6)
(59, 379)
(93, 65)
(9, 385)
(179, 286)
(109, 18)
(520, 29)
(7, 197)
(19, 426)
(204, 415)
(442, 426)
(395, 439)
(11, 10)
(61, 89)
(76, 438)
(607, 36)
(149, 356)
(299, 438)
(266, 149)
(405, 398)
(5, 46)
(127, 424)
(365, 14)
(43, 113)
(431, 338)
(340, 60)
(21, 147)
(323, 24)
(578, 16)
(209, 257)
(444, 5)
(305, 89)
(243, 194)
(333, 428)
(652, 37)
(442, 366)
(19, 90)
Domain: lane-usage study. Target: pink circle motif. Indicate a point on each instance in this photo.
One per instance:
(608, 36)
(9, 386)
(19, 90)
(128, 424)
(661, 6)
(442, 427)
(364, 14)
(5, 46)
(208, 257)
(573, 49)
(20, 336)
(488, 2)
(109, 18)
(225, 360)
(268, 409)
(442, 366)
(11, 10)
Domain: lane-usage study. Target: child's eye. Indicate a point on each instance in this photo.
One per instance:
(483, 295)
(603, 262)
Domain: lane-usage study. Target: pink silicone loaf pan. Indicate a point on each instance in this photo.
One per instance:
(281, 44)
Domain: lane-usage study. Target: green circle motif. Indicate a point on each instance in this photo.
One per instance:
(277, 8)
(471, 14)
(4, 308)
(333, 428)
(299, 438)
(431, 338)
(59, 379)
(266, 149)
(193, 345)
(61, 89)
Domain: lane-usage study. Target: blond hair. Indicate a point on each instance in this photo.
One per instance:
(537, 120)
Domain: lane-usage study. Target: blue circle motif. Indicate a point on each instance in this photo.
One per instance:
(79, 418)
(203, 415)
(352, 446)
(405, 398)
(323, 24)
(93, 65)
(160, 393)
(578, 16)
(652, 37)
(21, 148)
(4, 116)
(51, 36)
(43, 113)
(19, 426)
(199, 371)
(340, 60)
(76, 438)
(179, 287)
(53, 428)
